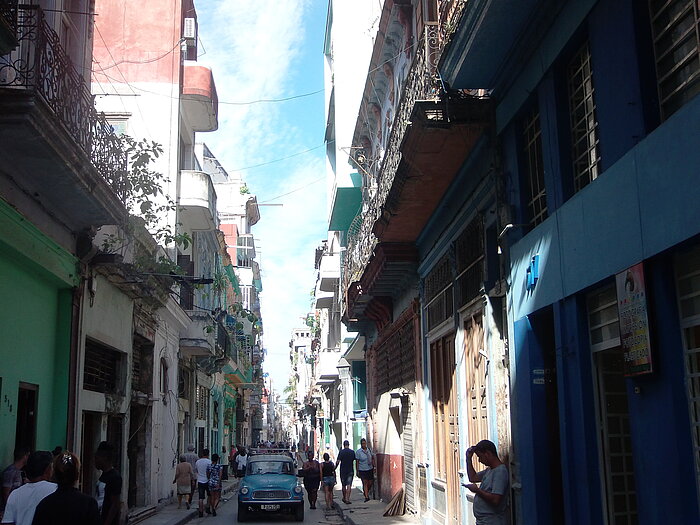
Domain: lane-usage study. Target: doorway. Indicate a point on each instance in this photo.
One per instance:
(92, 433)
(25, 432)
(137, 453)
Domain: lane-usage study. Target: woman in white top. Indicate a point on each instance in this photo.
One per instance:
(365, 467)
(241, 462)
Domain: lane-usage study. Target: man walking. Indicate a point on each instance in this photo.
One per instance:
(191, 458)
(346, 460)
(23, 501)
(201, 467)
(490, 498)
(109, 486)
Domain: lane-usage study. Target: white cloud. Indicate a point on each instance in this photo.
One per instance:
(254, 49)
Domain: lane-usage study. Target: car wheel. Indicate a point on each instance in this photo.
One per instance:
(242, 513)
(299, 512)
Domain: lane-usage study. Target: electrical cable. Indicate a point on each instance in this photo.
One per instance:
(148, 61)
(283, 158)
(294, 191)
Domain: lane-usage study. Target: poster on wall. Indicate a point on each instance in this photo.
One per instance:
(634, 321)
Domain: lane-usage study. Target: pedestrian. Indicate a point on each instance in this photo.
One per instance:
(365, 467)
(13, 476)
(224, 463)
(203, 480)
(346, 462)
(491, 496)
(241, 462)
(23, 500)
(214, 471)
(328, 473)
(109, 486)
(67, 505)
(192, 458)
(311, 472)
(184, 475)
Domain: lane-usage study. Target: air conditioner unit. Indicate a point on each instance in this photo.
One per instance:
(190, 30)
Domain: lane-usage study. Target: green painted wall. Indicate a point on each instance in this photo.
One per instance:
(35, 349)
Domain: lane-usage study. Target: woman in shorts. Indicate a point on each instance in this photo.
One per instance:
(312, 478)
(328, 472)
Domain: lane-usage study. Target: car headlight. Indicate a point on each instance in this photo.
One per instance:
(298, 490)
(244, 490)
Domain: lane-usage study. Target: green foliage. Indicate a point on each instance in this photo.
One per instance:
(244, 189)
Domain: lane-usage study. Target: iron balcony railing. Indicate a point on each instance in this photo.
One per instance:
(41, 65)
(422, 83)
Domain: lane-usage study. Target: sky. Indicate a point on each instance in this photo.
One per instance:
(272, 49)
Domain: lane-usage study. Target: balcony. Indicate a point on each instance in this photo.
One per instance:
(200, 104)
(198, 201)
(199, 338)
(329, 272)
(346, 202)
(53, 143)
(431, 136)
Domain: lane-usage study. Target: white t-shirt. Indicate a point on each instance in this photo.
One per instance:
(364, 458)
(23, 501)
(201, 468)
(241, 461)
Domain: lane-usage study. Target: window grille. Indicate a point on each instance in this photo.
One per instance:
(470, 261)
(675, 27)
(584, 125)
(201, 402)
(445, 424)
(688, 285)
(395, 357)
(534, 168)
(617, 462)
(439, 293)
(102, 368)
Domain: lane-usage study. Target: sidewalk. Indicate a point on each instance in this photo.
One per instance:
(171, 515)
(360, 513)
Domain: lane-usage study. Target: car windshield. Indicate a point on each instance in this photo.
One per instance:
(270, 467)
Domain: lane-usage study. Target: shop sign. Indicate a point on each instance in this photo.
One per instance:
(634, 321)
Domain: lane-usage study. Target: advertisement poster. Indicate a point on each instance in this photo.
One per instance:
(634, 322)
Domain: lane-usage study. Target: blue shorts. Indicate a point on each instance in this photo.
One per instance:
(329, 481)
(346, 478)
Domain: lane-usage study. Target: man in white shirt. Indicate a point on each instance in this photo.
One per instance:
(200, 469)
(22, 501)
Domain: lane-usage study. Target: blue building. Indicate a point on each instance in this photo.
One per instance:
(598, 125)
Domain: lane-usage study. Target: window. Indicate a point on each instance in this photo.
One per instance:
(201, 402)
(615, 440)
(438, 293)
(688, 284)
(470, 262)
(164, 387)
(183, 383)
(675, 27)
(445, 428)
(584, 126)
(102, 368)
(536, 195)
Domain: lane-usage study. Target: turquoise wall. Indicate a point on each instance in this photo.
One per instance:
(35, 348)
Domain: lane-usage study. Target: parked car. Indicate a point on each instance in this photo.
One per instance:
(270, 485)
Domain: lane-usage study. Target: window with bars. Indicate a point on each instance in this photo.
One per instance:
(617, 462)
(201, 401)
(439, 293)
(102, 369)
(688, 286)
(395, 358)
(536, 195)
(469, 252)
(675, 26)
(476, 373)
(585, 153)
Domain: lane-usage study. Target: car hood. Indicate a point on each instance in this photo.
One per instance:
(270, 481)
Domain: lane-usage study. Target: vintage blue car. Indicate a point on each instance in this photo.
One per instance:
(270, 485)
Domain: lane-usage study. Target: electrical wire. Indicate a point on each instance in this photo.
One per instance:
(294, 191)
(283, 158)
(148, 61)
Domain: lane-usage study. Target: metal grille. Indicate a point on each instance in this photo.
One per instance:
(688, 283)
(470, 262)
(534, 168)
(438, 279)
(675, 29)
(439, 293)
(200, 402)
(441, 308)
(395, 357)
(271, 494)
(407, 438)
(422, 488)
(101, 370)
(584, 125)
(41, 64)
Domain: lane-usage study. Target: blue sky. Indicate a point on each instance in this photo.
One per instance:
(271, 49)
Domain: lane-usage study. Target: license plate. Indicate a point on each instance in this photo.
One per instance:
(269, 507)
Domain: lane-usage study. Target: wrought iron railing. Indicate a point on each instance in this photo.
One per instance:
(40, 63)
(8, 14)
(422, 83)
